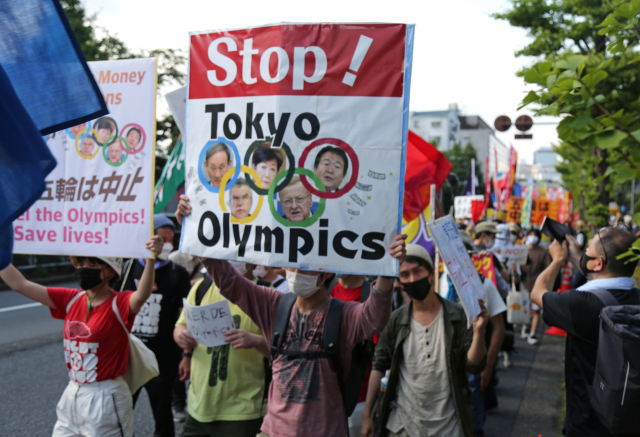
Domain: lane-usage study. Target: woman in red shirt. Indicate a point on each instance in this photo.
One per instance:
(97, 401)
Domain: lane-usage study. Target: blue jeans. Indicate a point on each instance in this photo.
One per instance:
(477, 397)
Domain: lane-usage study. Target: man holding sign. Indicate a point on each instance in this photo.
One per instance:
(428, 349)
(305, 398)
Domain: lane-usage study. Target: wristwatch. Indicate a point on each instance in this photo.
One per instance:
(187, 354)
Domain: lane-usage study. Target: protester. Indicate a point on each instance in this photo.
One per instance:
(355, 288)
(296, 201)
(538, 260)
(482, 386)
(581, 234)
(240, 199)
(515, 233)
(269, 274)
(578, 312)
(97, 401)
(266, 162)
(331, 165)
(228, 383)
(154, 325)
(217, 162)
(87, 146)
(428, 349)
(305, 397)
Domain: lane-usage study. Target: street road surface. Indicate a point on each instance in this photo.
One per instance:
(33, 373)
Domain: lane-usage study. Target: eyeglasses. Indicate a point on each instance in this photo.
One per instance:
(297, 200)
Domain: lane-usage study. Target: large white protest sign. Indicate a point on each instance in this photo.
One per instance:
(208, 323)
(98, 200)
(515, 254)
(462, 205)
(459, 265)
(296, 135)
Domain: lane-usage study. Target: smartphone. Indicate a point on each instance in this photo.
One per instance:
(554, 229)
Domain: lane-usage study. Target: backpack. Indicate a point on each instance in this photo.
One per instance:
(615, 392)
(350, 386)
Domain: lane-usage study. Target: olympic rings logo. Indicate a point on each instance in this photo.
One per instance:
(281, 180)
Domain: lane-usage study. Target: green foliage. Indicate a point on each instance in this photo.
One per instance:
(587, 73)
(461, 158)
(99, 45)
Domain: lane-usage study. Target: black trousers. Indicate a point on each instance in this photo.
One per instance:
(160, 391)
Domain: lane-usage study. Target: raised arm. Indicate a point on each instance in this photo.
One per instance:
(140, 296)
(544, 282)
(17, 282)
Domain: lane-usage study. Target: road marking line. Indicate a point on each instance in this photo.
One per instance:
(20, 307)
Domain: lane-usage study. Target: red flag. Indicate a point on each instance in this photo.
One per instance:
(425, 166)
(477, 208)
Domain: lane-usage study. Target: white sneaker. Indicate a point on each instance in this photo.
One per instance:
(507, 360)
(523, 333)
(532, 340)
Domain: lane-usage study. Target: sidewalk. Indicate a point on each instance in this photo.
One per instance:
(529, 392)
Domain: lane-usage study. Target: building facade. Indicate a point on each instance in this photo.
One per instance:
(446, 128)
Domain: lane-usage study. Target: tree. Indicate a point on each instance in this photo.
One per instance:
(171, 66)
(461, 159)
(586, 73)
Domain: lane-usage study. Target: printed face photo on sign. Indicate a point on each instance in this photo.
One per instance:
(241, 199)
(217, 161)
(133, 138)
(296, 201)
(88, 146)
(115, 152)
(106, 130)
(267, 162)
(75, 130)
(331, 165)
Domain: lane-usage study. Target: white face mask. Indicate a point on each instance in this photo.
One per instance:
(302, 285)
(167, 248)
(239, 266)
(490, 244)
(261, 271)
(532, 239)
(513, 238)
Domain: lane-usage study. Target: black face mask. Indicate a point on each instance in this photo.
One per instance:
(418, 290)
(584, 259)
(88, 278)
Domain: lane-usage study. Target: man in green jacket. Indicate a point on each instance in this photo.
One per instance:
(428, 349)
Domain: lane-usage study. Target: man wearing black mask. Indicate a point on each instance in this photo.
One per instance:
(428, 350)
(607, 267)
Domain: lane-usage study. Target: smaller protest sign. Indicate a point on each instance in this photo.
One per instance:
(458, 263)
(208, 323)
(515, 254)
(541, 208)
(484, 265)
(514, 209)
(462, 205)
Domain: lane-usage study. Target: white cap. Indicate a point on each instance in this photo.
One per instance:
(503, 232)
(419, 252)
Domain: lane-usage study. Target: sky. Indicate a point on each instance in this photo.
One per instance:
(461, 54)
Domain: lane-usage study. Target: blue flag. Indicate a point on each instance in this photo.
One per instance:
(46, 86)
(45, 65)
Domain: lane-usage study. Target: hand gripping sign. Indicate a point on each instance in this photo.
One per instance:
(295, 144)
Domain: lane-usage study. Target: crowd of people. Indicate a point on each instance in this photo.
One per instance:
(315, 354)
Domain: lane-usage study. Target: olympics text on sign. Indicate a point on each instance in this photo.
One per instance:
(295, 144)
